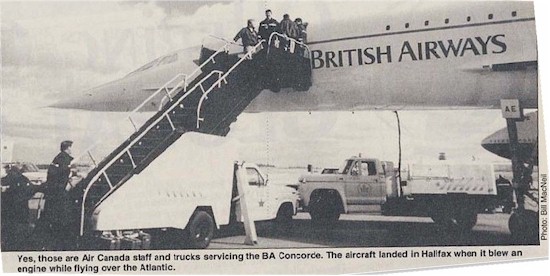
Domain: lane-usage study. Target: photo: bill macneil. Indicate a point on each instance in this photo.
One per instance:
(270, 124)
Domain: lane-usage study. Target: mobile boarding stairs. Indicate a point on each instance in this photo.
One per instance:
(208, 100)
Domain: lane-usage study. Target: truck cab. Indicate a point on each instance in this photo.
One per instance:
(364, 181)
(359, 184)
(267, 201)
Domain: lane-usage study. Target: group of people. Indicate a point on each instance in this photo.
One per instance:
(56, 222)
(292, 29)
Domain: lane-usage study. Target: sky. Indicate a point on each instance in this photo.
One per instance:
(54, 50)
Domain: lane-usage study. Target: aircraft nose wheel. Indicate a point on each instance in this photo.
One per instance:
(523, 225)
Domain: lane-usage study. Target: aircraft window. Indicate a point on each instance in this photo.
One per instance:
(387, 27)
(168, 59)
(146, 66)
(446, 20)
(407, 25)
(426, 23)
(469, 18)
(490, 16)
(514, 13)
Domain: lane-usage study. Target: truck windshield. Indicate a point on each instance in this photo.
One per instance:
(347, 166)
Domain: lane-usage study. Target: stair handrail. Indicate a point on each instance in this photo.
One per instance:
(287, 38)
(204, 96)
(224, 48)
(184, 82)
(102, 170)
(221, 78)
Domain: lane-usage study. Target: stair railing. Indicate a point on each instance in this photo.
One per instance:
(183, 83)
(102, 171)
(223, 78)
(276, 35)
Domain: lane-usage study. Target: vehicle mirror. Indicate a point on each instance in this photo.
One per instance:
(253, 183)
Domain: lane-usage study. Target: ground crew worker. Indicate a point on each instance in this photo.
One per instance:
(268, 26)
(248, 36)
(57, 206)
(505, 194)
(17, 189)
(302, 30)
(288, 27)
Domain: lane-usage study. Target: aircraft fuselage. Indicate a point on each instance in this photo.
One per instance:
(464, 55)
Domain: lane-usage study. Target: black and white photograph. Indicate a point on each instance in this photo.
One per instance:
(178, 136)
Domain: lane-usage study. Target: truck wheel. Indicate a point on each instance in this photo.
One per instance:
(200, 230)
(284, 215)
(325, 209)
(465, 220)
(283, 221)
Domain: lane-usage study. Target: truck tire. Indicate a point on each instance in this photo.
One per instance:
(200, 230)
(325, 208)
(285, 214)
(455, 221)
(283, 221)
(465, 219)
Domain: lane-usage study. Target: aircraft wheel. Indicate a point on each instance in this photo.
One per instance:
(523, 226)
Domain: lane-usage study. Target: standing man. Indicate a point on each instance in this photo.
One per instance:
(248, 36)
(288, 27)
(57, 207)
(302, 30)
(268, 26)
(16, 192)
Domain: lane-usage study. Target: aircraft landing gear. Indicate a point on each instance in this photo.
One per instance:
(523, 225)
(524, 221)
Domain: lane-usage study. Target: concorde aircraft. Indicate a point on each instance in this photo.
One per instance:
(463, 55)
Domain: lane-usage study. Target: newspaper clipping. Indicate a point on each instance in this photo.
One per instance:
(248, 137)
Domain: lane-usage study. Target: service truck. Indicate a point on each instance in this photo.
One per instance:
(451, 194)
(192, 186)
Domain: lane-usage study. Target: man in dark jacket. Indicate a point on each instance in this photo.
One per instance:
(302, 30)
(248, 36)
(268, 26)
(288, 27)
(57, 207)
(16, 192)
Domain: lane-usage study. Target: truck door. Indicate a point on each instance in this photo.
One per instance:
(373, 184)
(364, 185)
(354, 188)
(258, 202)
